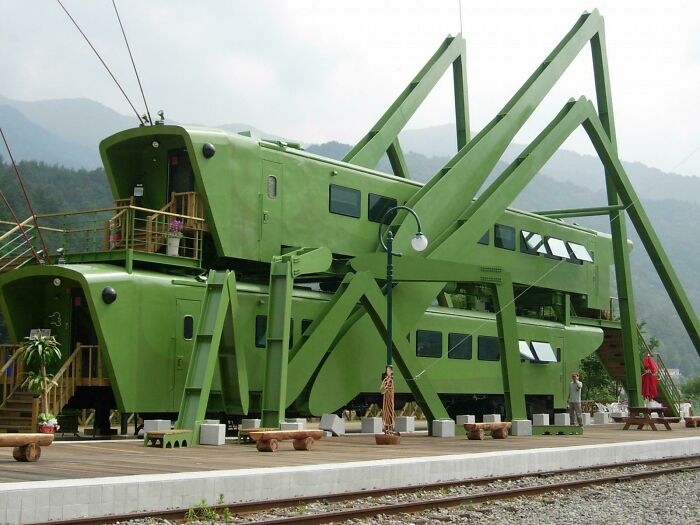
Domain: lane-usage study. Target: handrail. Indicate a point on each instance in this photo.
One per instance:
(669, 385)
(11, 376)
(16, 228)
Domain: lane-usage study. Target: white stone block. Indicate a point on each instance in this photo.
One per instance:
(461, 420)
(211, 422)
(521, 427)
(212, 434)
(540, 420)
(299, 420)
(371, 425)
(586, 418)
(492, 418)
(154, 425)
(613, 415)
(405, 424)
(291, 425)
(332, 423)
(562, 420)
(443, 428)
(250, 423)
(601, 418)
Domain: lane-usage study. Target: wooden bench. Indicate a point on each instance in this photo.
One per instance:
(498, 430)
(244, 433)
(27, 447)
(268, 441)
(692, 421)
(168, 438)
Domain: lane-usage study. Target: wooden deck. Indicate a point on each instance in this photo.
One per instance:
(65, 460)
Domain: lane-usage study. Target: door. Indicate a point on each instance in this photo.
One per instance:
(185, 328)
(270, 209)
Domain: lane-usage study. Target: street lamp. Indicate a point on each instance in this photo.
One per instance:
(419, 243)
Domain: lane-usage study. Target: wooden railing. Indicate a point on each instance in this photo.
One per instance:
(667, 383)
(83, 368)
(12, 371)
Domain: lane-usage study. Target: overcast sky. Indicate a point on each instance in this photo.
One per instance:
(317, 70)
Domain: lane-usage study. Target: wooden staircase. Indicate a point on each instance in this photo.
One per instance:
(16, 412)
(612, 355)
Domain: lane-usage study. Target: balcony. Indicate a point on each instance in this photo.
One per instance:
(126, 233)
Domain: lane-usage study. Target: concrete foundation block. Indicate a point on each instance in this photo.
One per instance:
(613, 415)
(492, 418)
(443, 428)
(250, 423)
(540, 420)
(562, 420)
(154, 425)
(211, 422)
(405, 424)
(333, 424)
(299, 420)
(601, 418)
(212, 434)
(291, 425)
(587, 419)
(461, 420)
(371, 425)
(521, 427)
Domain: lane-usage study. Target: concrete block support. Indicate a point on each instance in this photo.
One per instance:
(406, 424)
(562, 420)
(587, 418)
(212, 434)
(298, 420)
(540, 420)
(601, 418)
(154, 425)
(371, 425)
(521, 427)
(461, 420)
(291, 425)
(333, 424)
(250, 423)
(443, 428)
(211, 422)
(492, 418)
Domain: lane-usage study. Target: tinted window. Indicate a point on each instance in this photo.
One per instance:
(504, 237)
(261, 331)
(378, 206)
(489, 348)
(344, 201)
(459, 346)
(188, 327)
(485, 238)
(428, 343)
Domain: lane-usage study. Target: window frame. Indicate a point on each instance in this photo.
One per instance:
(356, 192)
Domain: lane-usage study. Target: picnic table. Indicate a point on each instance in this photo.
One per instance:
(641, 417)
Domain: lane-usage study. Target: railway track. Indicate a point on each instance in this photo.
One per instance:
(430, 496)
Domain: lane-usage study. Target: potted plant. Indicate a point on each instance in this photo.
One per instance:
(174, 234)
(42, 350)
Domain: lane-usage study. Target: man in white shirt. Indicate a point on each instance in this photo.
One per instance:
(575, 400)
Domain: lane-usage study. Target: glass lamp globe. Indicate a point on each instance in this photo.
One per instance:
(419, 242)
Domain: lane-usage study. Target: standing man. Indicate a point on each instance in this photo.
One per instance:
(575, 400)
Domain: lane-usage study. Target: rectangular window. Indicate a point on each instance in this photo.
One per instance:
(544, 352)
(580, 252)
(428, 343)
(504, 237)
(485, 238)
(531, 243)
(188, 327)
(378, 206)
(459, 346)
(525, 350)
(305, 323)
(557, 248)
(344, 201)
(489, 348)
(260, 331)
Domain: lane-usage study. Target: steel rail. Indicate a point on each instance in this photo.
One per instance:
(327, 517)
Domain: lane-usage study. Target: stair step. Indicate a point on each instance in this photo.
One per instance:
(19, 421)
(8, 411)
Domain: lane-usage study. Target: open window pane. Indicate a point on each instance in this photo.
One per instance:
(525, 350)
(344, 201)
(428, 343)
(544, 352)
(459, 346)
(580, 252)
(530, 242)
(558, 248)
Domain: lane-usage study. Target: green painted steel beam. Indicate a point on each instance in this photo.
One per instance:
(397, 160)
(580, 212)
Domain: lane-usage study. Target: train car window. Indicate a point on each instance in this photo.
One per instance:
(260, 331)
(459, 346)
(544, 352)
(188, 327)
(378, 206)
(525, 350)
(485, 238)
(489, 348)
(271, 186)
(428, 343)
(530, 242)
(305, 323)
(344, 201)
(504, 237)
(557, 247)
(580, 252)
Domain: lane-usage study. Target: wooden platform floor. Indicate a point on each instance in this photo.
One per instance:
(65, 460)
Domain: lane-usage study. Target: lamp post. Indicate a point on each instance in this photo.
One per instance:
(419, 243)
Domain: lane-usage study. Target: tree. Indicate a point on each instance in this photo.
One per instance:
(598, 384)
(692, 387)
(42, 351)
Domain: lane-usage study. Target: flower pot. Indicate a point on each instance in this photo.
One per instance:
(387, 439)
(173, 246)
(48, 428)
